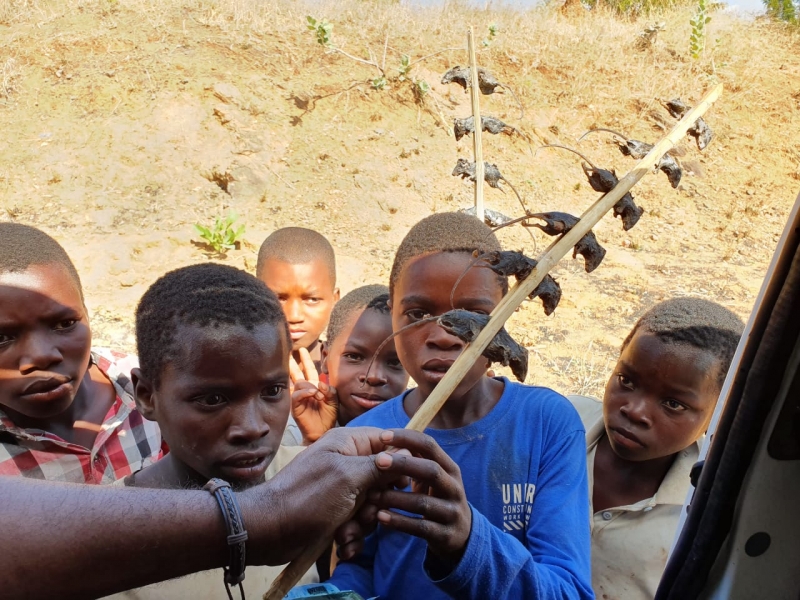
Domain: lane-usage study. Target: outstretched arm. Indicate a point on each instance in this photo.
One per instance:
(89, 541)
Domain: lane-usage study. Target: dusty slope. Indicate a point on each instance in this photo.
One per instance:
(125, 122)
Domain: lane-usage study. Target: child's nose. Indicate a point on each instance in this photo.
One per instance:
(294, 311)
(248, 424)
(439, 338)
(635, 409)
(376, 377)
(38, 353)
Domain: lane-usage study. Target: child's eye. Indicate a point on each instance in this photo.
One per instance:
(416, 314)
(352, 357)
(674, 405)
(394, 363)
(624, 382)
(272, 391)
(5, 339)
(211, 400)
(65, 324)
(313, 300)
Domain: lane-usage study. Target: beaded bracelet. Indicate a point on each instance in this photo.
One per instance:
(237, 535)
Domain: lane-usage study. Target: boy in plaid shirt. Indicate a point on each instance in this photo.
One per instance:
(66, 413)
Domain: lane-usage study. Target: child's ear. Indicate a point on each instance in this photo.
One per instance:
(323, 362)
(143, 394)
(335, 294)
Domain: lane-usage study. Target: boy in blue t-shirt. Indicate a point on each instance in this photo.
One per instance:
(500, 496)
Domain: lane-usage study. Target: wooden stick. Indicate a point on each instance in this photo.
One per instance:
(547, 261)
(292, 574)
(477, 143)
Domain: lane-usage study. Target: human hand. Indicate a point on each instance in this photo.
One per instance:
(305, 370)
(314, 495)
(314, 408)
(437, 494)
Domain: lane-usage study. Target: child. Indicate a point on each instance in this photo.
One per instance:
(504, 513)
(66, 412)
(643, 439)
(299, 265)
(359, 324)
(214, 352)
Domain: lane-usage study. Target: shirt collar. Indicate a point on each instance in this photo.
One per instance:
(673, 489)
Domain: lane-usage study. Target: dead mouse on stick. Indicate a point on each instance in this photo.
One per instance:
(509, 263)
(491, 175)
(462, 76)
(638, 150)
(603, 180)
(466, 325)
(462, 127)
(700, 130)
(558, 223)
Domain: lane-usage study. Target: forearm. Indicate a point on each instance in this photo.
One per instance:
(90, 541)
(498, 561)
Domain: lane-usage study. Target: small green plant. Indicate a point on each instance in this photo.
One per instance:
(405, 67)
(379, 83)
(487, 41)
(221, 236)
(697, 41)
(422, 87)
(322, 30)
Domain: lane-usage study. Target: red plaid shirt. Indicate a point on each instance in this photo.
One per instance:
(126, 443)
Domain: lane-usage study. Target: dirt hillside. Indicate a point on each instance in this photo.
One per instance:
(125, 122)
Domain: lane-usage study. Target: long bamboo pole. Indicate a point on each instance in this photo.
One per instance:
(557, 250)
(547, 261)
(477, 141)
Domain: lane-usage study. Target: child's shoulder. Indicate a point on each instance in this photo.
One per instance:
(589, 409)
(108, 359)
(546, 403)
(387, 415)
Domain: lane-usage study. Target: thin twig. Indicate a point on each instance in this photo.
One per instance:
(385, 46)
(370, 63)
(419, 60)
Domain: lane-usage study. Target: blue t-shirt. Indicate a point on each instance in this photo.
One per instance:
(524, 471)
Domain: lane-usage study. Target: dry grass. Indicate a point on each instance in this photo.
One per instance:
(111, 109)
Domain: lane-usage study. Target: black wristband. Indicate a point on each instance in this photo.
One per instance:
(234, 524)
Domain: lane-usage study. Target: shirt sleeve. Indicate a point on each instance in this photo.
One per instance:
(356, 574)
(554, 561)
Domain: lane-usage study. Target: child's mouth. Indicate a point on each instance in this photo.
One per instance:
(368, 400)
(245, 465)
(48, 390)
(436, 368)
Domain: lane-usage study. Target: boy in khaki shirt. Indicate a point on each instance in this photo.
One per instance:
(642, 440)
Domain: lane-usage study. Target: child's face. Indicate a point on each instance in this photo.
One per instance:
(307, 294)
(45, 341)
(423, 289)
(660, 397)
(347, 358)
(223, 403)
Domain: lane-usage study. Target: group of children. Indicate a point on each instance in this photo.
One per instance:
(518, 492)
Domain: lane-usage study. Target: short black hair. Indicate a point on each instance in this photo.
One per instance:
(369, 297)
(297, 245)
(700, 323)
(205, 295)
(22, 246)
(444, 232)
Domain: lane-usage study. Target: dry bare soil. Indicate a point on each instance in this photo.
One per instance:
(124, 122)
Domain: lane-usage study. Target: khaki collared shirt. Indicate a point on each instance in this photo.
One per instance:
(630, 544)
